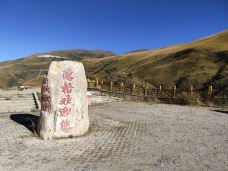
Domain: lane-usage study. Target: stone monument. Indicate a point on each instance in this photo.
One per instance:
(64, 105)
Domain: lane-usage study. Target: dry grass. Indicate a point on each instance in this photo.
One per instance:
(199, 63)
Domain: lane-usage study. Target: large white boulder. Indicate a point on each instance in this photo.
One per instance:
(64, 105)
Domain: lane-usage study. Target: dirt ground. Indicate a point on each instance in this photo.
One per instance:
(124, 136)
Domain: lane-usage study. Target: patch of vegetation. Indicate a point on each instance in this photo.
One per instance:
(130, 75)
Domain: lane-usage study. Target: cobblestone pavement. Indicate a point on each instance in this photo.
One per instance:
(125, 136)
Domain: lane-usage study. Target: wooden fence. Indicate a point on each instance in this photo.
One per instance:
(174, 95)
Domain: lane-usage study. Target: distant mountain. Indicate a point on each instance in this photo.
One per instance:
(197, 63)
(30, 69)
(79, 54)
(138, 50)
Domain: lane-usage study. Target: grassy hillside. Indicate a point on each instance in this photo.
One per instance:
(199, 63)
(28, 70)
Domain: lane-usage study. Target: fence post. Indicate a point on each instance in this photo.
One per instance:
(97, 82)
(102, 84)
(159, 90)
(174, 91)
(111, 86)
(121, 87)
(210, 91)
(146, 90)
(133, 89)
(190, 92)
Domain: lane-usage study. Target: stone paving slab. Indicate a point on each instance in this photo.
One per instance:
(125, 136)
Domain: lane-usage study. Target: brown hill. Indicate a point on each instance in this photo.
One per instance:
(200, 63)
(30, 68)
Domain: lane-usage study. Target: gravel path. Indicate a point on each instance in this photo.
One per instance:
(125, 136)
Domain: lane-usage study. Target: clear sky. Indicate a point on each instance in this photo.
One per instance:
(32, 26)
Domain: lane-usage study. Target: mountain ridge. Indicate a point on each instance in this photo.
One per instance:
(198, 63)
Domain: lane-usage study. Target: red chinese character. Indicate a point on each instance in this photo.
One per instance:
(65, 100)
(67, 87)
(68, 75)
(64, 111)
(46, 107)
(46, 98)
(45, 89)
(65, 125)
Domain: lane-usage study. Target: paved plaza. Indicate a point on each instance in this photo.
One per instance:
(122, 136)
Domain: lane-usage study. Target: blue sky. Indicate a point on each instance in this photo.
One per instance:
(32, 26)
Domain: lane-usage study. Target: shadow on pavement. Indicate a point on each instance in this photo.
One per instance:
(28, 120)
(221, 111)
